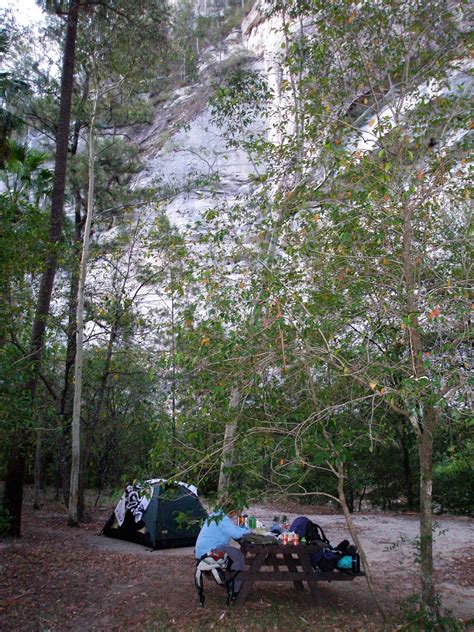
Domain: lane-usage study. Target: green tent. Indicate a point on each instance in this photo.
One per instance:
(158, 514)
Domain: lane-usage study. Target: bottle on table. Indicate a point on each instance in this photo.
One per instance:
(276, 525)
(296, 539)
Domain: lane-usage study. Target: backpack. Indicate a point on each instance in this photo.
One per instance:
(218, 563)
(326, 559)
(314, 533)
(345, 560)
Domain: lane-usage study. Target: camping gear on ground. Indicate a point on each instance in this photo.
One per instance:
(218, 564)
(158, 514)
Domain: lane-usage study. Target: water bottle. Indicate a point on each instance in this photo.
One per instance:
(356, 563)
(276, 526)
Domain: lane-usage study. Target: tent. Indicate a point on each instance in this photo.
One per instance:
(158, 514)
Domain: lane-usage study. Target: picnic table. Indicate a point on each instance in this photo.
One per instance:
(283, 563)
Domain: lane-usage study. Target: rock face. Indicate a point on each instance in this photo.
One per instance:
(184, 150)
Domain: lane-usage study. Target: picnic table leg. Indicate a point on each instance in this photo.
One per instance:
(313, 584)
(293, 566)
(274, 560)
(249, 577)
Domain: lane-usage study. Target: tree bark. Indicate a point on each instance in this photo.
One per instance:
(355, 537)
(15, 476)
(407, 473)
(422, 418)
(66, 403)
(228, 448)
(38, 468)
(425, 450)
(73, 519)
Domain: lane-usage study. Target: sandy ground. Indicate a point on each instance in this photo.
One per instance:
(389, 543)
(55, 578)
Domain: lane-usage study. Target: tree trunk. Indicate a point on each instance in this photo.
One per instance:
(73, 519)
(15, 475)
(425, 450)
(228, 448)
(97, 411)
(355, 537)
(66, 403)
(424, 422)
(407, 473)
(38, 468)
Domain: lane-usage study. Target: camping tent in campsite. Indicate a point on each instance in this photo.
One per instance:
(158, 513)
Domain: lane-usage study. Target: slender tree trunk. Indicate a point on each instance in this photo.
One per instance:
(355, 537)
(424, 421)
(173, 381)
(66, 403)
(407, 473)
(228, 447)
(15, 476)
(425, 450)
(96, 416)
(73, 519)
(38, 468)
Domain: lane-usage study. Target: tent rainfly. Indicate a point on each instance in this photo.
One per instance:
(158, 514)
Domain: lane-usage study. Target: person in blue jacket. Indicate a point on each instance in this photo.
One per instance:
(216, 533)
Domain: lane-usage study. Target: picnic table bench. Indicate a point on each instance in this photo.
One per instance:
(287, 562)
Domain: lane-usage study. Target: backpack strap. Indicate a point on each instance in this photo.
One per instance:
(215, 562)
(323, 535)
(314, 532)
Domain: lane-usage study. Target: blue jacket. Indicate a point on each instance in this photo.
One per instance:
(216, 534)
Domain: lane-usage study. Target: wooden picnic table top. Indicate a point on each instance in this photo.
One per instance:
(296, 558)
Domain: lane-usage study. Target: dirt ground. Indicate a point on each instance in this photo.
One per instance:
(56, 578)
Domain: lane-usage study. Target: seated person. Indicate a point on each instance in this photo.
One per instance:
(216, 534)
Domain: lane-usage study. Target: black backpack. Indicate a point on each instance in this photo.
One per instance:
(315, 533)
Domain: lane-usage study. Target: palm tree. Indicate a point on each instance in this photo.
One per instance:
(14, 480)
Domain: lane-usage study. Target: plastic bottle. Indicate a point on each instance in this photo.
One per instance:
(356, 563)
(276, 526)
(296, 539)
(285, 538)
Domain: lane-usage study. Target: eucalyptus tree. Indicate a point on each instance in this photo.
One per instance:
(392, 221)
(370, 233)
(117, 16)
(111, 59)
